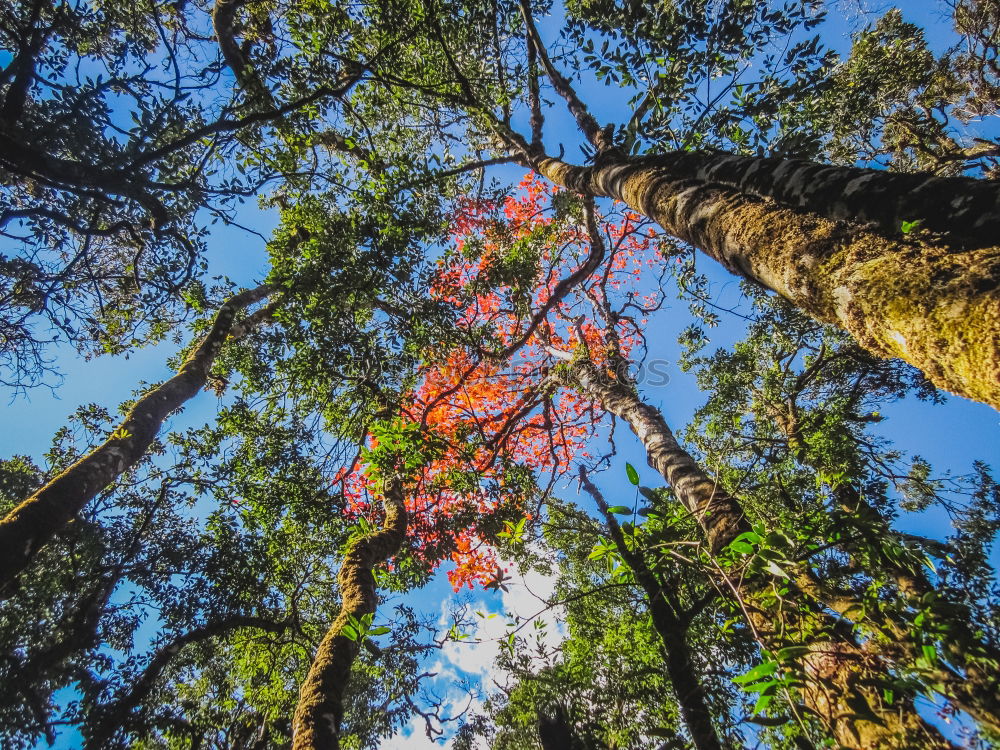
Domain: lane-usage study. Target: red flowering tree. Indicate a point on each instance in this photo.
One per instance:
(487, 421)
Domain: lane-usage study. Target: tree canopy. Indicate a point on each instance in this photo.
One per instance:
(491, 231)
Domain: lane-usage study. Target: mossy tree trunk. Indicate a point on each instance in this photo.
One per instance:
(838, 671)
(35, 521)
(320, 711)
(931, 300)
(964, 208)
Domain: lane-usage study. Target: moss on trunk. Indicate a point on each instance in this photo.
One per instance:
(922, 298)
(964, 208)
(35, 521)
(839, 672)
(320, 711)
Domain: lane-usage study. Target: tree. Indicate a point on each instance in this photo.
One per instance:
(830, 668)
(671, 620)
(892, 100)
(137, 549)
(813, 405)
(26, 528)
(407, 414)
(586, 279)
(119, 136)
(881, 284)
(320, 711)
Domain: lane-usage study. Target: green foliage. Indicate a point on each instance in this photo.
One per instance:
(103, 208)
(402, 446)
(813, 398)
(895, 102)
(358, 630)
(666, 55)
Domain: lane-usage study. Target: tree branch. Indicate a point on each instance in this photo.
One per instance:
(597, 137)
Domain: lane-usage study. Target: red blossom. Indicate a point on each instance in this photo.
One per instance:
(492, 414)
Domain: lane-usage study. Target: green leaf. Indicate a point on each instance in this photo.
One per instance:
(773, 568)
(741, 547)
(349, 632)
(649, 494)
(909, 226)
(761, 670)
(768, 721)
(381, 630)
(763, 701)
(633, 475)
(751, 537)
(791, 652)
(765, 688)
(930, 653)
(621, 510)
(662, 732)
(777, 539)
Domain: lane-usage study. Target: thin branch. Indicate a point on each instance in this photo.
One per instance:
(564, 287)
(597, 137)
(534, 96)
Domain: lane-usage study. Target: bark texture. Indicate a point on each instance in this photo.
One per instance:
(719, 515)
(672, 627)
(35, 521)
(837, 670)
(928, 301)
(320, 711)
(965, 208)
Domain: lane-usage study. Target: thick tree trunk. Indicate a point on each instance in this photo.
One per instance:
(966, 209)
(36, 520)
(673, 632)
(836, 670)
(320, 712)
(928, 301)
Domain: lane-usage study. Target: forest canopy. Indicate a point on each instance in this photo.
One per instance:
(499, 374)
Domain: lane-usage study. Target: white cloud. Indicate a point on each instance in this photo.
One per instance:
(474, 659)
(412, 737)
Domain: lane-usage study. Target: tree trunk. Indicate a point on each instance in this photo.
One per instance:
(673, 632)
(720, 515)
(837, 671)
(35, 521)
(320, 712)
(927, 300)
(964, 208)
